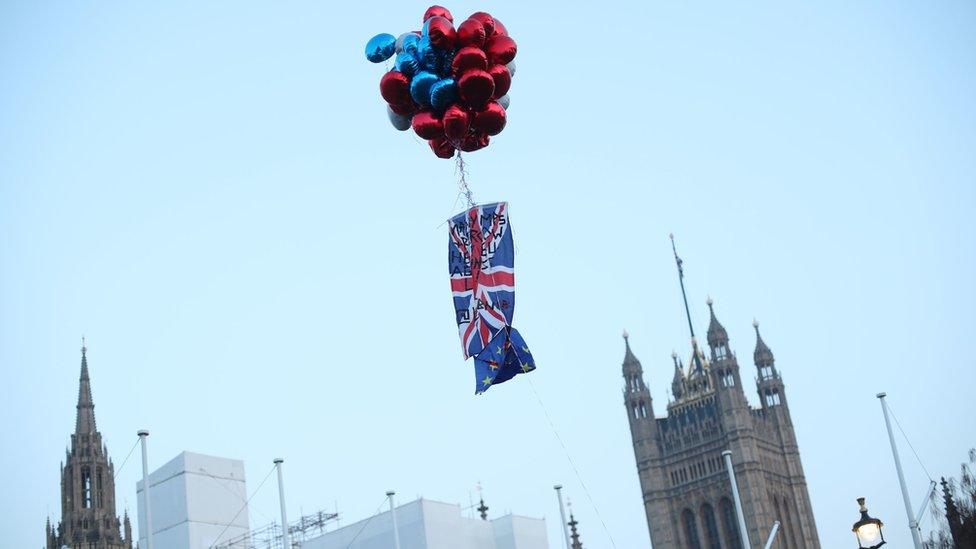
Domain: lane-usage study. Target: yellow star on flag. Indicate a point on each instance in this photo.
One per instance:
(486, 381)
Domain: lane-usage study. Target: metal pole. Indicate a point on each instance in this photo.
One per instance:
(916, 536)
(743, 532)
(562, 512)
(145, 488)
(925, 502)
(772, 535)
(285, 539)
(396, 529)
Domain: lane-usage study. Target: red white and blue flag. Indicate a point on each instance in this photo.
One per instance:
(481, 260)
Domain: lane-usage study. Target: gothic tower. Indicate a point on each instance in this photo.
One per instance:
(685, 487)
(88, 519)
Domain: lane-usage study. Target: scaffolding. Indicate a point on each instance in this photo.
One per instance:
(269, 536)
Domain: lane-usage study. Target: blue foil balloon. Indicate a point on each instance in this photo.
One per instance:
(420, 87)
(442, 94)
(380, 47)
(429, 57)
(407, 63)
(408, 43)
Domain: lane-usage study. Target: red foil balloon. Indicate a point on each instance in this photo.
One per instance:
(441, 32)
(490, 120)
(469, 58)
(502, 78)
(457, 121)
(441, 147)
(474, 142)
(500, 29)
(406, 109)
(427, 125)
(501, 49)
(395, 88)
(476, 88)
(438, 11)
(486, 20)
(471, 33)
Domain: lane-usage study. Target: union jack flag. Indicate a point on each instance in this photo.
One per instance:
(481, 260)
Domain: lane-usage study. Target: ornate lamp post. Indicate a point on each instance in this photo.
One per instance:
(868, 530)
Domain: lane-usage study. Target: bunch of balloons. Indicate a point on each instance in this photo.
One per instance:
(450, 85)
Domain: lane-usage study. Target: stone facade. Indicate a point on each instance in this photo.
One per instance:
(686, 491)
(88, 519)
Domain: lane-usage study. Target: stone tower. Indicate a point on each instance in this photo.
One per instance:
(685, 487)
(88, 519)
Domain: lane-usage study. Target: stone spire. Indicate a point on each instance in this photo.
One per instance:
(762, 356)
(85, 420)
(678, 382)
(716, 332)
(574, 535)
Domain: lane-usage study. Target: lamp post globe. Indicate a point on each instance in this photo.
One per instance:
(868, 530)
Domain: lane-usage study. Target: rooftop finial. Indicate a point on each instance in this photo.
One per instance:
(626, 334)
(84, 346)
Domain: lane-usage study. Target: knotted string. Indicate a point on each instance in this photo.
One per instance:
(463, 189)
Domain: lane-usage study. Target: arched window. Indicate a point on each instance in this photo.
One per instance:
(86, 488)
(691, 529)
(720, 352)
(643, 410)
(711, 527)
(730, 524)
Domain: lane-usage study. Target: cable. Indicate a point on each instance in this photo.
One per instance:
(119, 470)
(462, 173)
(254, 493)
(918, 459)
(235, 494)
(375, 513)
(571, 462)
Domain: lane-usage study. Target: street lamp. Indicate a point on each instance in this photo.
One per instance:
(868, 530)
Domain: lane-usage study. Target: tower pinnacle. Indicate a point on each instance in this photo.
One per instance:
(85, 419)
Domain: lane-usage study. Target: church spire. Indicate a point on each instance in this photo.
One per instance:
(85, 420)
(684, 296)
(762, 356)
(716, 332)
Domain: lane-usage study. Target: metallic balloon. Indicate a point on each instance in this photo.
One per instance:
(407, 63)
(420, 87)
(511, 68)
(441, 147)
(405, 40)
(442, 94)
(438, 11)
(427, 125)
(490, 120)
(501, 49)
(487, 21)
(473, 142)
(441, 32)
(380, 47)
(457, 121)
(471, 33)
(468, 58)
(504, 101)
(430, 58)
(399, 121)
(476, 88)
(500, 29)
(395, 88)
(503, 80)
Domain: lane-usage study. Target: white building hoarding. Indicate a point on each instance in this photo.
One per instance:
(426, 524)
(195, 498)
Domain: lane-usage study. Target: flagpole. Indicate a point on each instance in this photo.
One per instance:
(396, 529)
(285, 540)
(743, 532)
(145, 488)
(912, 524)
(562, 512)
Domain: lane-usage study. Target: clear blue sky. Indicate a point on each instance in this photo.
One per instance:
(213, 196)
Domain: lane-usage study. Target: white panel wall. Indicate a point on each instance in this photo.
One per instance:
(194, 498)
(426, 524)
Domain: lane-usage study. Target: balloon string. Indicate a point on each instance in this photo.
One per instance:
(463, 188)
